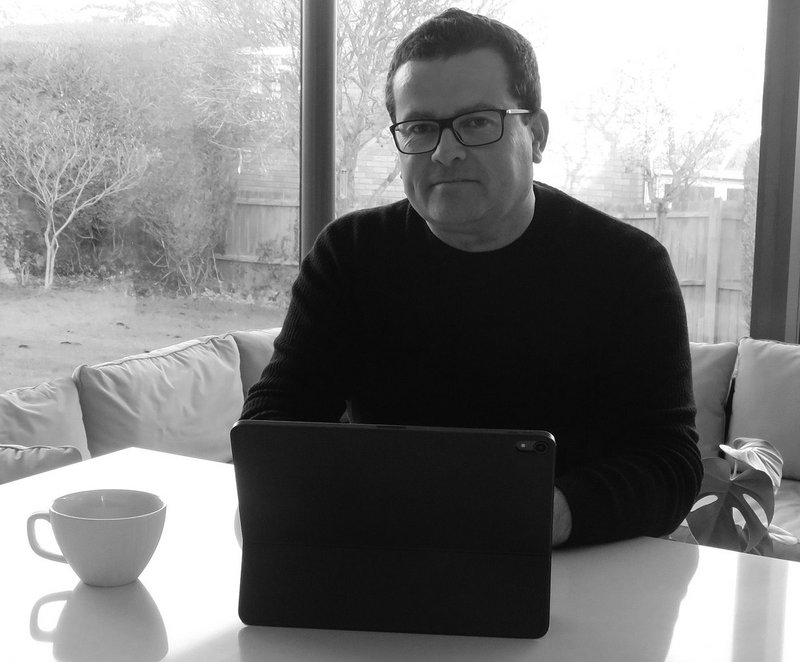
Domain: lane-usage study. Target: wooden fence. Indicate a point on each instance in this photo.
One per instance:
(706, 250)
(265, 231)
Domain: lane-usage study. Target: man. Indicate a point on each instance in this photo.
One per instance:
(487, 299)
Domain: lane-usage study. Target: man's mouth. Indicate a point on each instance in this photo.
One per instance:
(445, 182)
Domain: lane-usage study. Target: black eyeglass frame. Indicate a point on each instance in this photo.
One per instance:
(447, 123)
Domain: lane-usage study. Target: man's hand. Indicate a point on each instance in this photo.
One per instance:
(562, 518)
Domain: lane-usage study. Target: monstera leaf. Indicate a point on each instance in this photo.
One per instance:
(722, 494)
(762, 455)
(758, 454)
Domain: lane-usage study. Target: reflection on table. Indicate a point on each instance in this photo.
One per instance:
(120, 624)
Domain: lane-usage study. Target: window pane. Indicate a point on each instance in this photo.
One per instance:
(658, 122)
(158, 142)
(653, 120)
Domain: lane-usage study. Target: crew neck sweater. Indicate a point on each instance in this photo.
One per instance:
(577, 327)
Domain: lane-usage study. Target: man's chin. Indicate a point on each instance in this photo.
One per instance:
(453, 219)
(453, 208)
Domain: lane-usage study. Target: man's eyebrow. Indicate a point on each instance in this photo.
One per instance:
(430, 115)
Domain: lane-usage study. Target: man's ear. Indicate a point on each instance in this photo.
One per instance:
(540, 128)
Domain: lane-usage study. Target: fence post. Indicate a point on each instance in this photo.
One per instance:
(713, 249)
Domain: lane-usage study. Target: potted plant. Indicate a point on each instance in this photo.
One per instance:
(736, 502)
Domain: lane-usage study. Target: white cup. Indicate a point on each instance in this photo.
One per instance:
(106, 536)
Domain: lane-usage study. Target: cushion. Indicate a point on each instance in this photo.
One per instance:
(712, 370)
(181, 399)
(45, 415)
(22, 461)
(766, 401)
(255, 351)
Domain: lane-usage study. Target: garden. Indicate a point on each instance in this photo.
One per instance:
(47, 333)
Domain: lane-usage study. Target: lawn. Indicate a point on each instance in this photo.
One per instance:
(44, 334)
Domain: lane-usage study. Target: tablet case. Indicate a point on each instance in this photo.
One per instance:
(391, 528)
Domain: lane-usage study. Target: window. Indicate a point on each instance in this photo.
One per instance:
(148, 176)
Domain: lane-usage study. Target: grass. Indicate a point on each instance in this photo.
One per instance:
(46, 334)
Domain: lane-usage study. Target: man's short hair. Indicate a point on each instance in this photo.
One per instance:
(456, 32)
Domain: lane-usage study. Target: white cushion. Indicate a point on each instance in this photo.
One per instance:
(181, 399)
(766, 400)
(22, 461)
(255, 351)
(712, 370)
(45, 415)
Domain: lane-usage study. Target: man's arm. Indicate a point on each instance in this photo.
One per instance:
(640, 468)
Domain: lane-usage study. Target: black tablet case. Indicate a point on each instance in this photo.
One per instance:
(389, 528)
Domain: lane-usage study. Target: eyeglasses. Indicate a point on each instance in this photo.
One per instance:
(480, 127)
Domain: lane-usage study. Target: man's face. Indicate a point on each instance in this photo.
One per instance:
(473, 198)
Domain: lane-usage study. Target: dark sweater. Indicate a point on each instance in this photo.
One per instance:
(578, 327)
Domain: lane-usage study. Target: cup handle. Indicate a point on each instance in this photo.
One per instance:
(36, 632)
(35, 546)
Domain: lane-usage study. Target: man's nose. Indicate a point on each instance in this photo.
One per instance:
(449, 148)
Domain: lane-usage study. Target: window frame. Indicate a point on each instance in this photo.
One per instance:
(317, 119)
(775, 311)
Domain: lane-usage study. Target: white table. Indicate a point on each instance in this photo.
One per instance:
(638, 600)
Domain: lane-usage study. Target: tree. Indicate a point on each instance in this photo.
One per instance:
(63, 140)
(132, 88)
(242, 67)
(634, 114)
(662, 147)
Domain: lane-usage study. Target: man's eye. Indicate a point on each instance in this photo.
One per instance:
(420, 129)
(478, 122)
